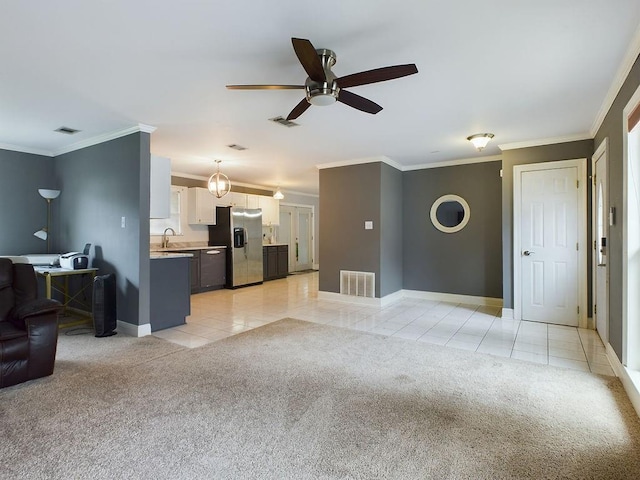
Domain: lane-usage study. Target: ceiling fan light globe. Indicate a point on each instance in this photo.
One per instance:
(322, 94)
(322, 100)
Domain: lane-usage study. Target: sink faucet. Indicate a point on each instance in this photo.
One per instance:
(165, 240)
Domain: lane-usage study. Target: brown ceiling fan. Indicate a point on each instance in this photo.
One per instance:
(322, 87)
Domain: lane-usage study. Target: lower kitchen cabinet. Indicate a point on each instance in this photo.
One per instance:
(275, 261)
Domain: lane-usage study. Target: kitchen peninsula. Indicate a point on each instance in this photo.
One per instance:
(170, 289)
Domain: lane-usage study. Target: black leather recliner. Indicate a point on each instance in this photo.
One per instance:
(28, 326)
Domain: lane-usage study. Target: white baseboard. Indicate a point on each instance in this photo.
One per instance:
(134, 330)
(454, 298)
(400, 294)
(338, 297)
(630, 378)
(507, 313)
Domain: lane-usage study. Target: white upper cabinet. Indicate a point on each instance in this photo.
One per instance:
(269, 205)
(202, 207)
(160, 187)
(235, 199)
(232, 199)
(253, 201)
(270, 210)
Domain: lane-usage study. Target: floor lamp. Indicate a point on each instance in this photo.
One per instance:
(43, 234)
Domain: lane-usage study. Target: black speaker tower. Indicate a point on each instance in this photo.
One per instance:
(104, 305)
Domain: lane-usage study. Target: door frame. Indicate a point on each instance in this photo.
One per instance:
(313, 230)
(630, 269)
(601, 152)
(518, 170)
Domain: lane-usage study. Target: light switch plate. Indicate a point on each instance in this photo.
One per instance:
(368, 225)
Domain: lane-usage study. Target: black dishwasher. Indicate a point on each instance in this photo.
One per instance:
(212, 268)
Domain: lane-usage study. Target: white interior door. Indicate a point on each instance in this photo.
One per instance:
(600, 234)
(549, 245)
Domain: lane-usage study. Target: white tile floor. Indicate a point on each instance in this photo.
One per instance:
(222, 313)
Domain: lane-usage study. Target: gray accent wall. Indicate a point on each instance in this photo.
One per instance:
(349, 196)
(523, 156)
(100, 185)
(468, 262)
(613, 128)
(22, 210)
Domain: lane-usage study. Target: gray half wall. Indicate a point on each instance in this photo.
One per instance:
(100, 185)
(468, 262)
(349, 196)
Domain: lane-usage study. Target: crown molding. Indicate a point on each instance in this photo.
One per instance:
(89, 142)
(361, 161)
(34, 151)
(623, 72)
(546, 141)
(451, 163)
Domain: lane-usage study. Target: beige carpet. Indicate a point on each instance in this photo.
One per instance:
(304, 401)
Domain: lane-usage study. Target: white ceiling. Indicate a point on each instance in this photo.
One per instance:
(521, 70)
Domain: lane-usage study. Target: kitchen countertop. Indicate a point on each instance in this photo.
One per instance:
(274, 244)
(184, 249)
(162, 255)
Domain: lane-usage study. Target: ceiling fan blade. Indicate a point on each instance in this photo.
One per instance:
(358, 102)
(265, 87)
(309, 59)
(377, 75)
(299, 109)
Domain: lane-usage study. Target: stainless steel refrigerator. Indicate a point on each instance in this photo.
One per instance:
(240, 230)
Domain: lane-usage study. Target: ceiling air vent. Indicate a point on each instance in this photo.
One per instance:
(284, 122)
(235, 146)
(66, 130)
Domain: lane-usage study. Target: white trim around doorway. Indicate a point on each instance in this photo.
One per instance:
(580, 164)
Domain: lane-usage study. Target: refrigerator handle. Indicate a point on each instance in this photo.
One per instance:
(246, 240)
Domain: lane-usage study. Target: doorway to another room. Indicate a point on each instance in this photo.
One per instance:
(296, 230)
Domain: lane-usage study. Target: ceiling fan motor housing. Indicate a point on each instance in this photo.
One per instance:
(323, 93)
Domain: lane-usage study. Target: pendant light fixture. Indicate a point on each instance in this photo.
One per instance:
(44, 233)
(278, 195)
(480, 140)
(219, 184)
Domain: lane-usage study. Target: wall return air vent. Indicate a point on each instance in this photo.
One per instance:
(357, 284)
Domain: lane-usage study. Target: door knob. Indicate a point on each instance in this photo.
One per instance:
(526, 253)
